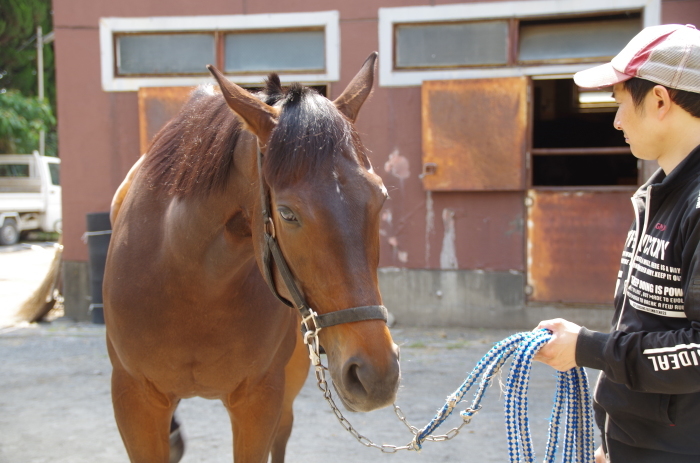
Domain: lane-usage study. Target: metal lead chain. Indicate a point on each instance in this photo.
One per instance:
(311, 340)
(432, 438)
(572, 394)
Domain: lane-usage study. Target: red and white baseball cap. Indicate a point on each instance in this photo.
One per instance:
(668, 55)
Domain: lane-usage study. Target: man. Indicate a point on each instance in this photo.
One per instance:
(647, 401)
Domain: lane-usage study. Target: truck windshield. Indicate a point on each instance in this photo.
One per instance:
(55, 170)
(14, 170)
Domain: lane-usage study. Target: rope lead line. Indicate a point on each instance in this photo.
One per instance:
(572, 400)
(572, 403)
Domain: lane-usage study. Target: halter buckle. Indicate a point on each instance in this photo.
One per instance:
(311, 336)
(307, 323)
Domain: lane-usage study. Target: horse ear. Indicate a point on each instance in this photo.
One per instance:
(357, 91)
(260, 118)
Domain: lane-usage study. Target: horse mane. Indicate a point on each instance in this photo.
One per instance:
(193, 153)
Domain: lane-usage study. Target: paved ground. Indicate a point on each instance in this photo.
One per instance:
(55, 403)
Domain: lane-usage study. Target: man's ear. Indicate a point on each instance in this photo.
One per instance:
(661, 100)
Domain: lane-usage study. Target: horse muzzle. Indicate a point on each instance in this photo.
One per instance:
(367, 382)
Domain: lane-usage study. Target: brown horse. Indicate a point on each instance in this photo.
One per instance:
(187, 299)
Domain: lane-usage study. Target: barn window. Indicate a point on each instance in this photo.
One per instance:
(258, 51)
(477, 40)
(174, 51)
(538, 41)
(481, 43)
(164, 53)
(576, 39)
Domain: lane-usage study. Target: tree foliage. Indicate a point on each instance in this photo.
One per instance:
(18, 22)
(21, 114)
(21, 120)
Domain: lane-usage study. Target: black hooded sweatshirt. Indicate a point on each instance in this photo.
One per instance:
(648, 393)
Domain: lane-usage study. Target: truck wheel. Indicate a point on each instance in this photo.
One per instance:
(9, 234)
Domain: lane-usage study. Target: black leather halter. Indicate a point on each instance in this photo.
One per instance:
(271, 251)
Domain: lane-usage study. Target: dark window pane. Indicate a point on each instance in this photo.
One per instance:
(55, 171)
(14, 170)
(165, 53)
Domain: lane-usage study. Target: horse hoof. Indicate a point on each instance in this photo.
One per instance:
(177, 446)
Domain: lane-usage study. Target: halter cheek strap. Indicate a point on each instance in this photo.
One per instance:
(272, 252)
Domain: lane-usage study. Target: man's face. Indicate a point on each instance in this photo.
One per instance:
(635, 124)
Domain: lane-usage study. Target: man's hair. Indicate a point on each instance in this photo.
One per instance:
(639, 88)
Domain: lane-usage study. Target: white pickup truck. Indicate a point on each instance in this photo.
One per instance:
(30, 195)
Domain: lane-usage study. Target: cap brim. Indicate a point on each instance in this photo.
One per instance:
(600, 76)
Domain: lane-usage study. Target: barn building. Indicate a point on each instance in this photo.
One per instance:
(509, 186)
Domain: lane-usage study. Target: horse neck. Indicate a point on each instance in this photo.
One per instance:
(214, 229)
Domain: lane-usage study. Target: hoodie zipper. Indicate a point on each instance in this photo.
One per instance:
(638, 238)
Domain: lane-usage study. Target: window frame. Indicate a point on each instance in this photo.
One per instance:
(390, 18)
(110, 28)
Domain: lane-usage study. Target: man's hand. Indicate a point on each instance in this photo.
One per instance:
(560, 351)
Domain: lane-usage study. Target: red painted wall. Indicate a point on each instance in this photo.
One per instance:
(98, 133)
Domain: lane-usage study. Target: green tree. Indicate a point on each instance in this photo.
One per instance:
(18, 76)
(21, 119)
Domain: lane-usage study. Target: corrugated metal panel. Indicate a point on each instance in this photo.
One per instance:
(157, 105)
(475, 134)
(574, 244)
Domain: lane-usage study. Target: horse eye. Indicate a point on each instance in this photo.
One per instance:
(287, 214)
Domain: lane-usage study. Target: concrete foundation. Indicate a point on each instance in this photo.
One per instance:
(420, 298)
(473, 299)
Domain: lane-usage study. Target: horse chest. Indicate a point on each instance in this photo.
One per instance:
(213, 373)
(205, 349)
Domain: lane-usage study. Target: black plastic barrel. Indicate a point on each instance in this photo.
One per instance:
(99, 231)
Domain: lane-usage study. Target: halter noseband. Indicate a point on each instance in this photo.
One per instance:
(312, 321)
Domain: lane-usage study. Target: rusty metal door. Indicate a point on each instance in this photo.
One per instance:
(157, 105)
(574, 243)
(475, 134)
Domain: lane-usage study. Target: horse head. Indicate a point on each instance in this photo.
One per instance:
(324, 203)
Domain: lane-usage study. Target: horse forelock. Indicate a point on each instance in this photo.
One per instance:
(310, 134)
(193, 153)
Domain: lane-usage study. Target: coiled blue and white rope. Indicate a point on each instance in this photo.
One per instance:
(572, 402)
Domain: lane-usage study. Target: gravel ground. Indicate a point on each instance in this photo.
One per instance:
(55, 402)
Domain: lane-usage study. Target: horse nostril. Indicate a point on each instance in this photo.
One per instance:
(351, 378)
(365, 384)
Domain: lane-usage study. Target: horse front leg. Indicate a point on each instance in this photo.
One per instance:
(295, 374)
(143, 416)
(255, 415)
